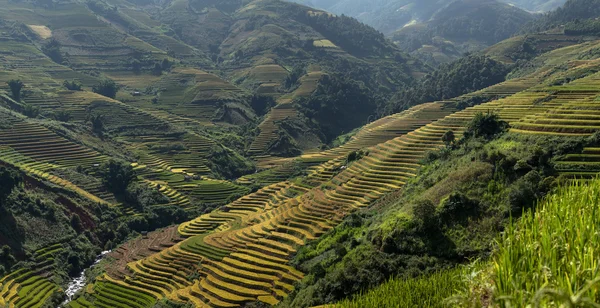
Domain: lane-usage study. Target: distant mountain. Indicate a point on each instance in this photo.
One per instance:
(575, 22)
(388, 16)
(462, 26)
(572, 11)
(537, 5)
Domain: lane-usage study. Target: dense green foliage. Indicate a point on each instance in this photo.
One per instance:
(450, 80)
(63, 116)
(97, 122)
(350, 34)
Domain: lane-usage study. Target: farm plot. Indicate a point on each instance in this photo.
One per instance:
(194, 94)
(269, 76)
(243, 248)
(268, 128)
(577, 112)
(31, 288)
(39, 151)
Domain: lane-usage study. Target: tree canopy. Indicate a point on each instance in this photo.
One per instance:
(106, 87)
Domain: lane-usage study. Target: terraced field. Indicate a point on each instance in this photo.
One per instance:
(241, 251)
(577, 113)
(31, 288)
(284, 111)
(268, 128)
(38, 151)
(193, 93)
(269, 76)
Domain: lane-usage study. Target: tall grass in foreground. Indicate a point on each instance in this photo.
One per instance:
(427, 291)
(550, 257)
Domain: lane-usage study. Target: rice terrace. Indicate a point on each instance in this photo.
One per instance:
(301, 153)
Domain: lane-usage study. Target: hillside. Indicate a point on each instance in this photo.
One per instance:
(257, 153)
(246, 248)
(115, 120)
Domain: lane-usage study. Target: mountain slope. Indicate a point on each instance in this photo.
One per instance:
(385, 209)
(537, 5)
(460, 27)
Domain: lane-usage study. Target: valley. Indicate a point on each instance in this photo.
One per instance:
(264, 153)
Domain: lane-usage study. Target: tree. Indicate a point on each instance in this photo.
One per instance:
(31, 111)
(448, 138)
(117, 175)
(63, 116)
(157, 70)
(6, 257)
(136, 66)
(76, 223)
(16, 86)
(106, 87)
(97, 121)
(52, 50)
(9, 179)
(72, 85)
(486, 125)
(165, 64)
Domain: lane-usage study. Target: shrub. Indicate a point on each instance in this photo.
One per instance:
(76, 223)
(166, 64)
(16, 86)
(106, 87)
(355, 155)
(262, 103)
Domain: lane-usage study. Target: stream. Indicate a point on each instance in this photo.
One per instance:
(79, 282)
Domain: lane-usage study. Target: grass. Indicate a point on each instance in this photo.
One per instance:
(428, 291)
(550, 257)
